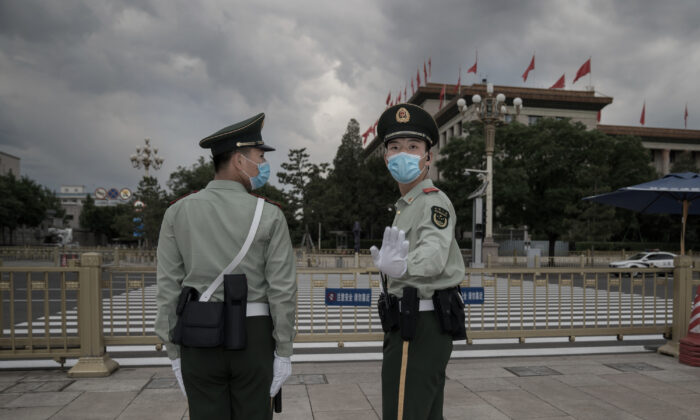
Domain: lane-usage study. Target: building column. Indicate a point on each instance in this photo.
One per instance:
(665, 161)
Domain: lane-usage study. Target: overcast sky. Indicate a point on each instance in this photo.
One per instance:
(82, 83)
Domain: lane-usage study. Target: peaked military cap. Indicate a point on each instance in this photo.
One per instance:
(243, 134)
(407, 121)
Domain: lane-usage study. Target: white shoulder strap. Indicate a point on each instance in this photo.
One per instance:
(241, 254)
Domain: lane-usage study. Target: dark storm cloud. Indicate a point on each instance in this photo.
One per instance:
(51, 23)
(83, 82)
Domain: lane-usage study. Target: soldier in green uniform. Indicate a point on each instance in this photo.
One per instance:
(419, 251)
(200, 235)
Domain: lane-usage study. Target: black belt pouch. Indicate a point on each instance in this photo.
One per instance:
(409, 313)
(236, 299)
(388, 308)
(449, 308)
(200, 324)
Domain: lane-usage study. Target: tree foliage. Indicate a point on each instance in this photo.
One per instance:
(25, 204)
(541, 173)
(353, 189)
(187, 180)
(685, 163)
(100, 220)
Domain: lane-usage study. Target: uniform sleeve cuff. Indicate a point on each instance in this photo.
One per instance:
(173, 351)
(284, 349)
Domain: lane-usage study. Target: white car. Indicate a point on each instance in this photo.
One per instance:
(646, 260)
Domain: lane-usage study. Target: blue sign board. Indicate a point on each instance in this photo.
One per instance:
(348, 297)
(472, 295)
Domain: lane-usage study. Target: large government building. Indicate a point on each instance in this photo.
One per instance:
(664, 144)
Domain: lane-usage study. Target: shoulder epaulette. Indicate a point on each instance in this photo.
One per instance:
(180, 198)
(430, 189)
(268, 200)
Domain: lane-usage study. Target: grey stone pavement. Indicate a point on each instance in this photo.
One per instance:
(620, 386)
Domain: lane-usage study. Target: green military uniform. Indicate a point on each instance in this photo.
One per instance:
(200, 235)
(434, 262)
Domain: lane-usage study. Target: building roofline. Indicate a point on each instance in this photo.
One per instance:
(653, 134)
(532, 98)
(12, 156)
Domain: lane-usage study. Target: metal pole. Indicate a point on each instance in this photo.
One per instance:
(490, 140)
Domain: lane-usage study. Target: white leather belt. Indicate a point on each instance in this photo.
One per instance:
(424, 305)
(257, 309)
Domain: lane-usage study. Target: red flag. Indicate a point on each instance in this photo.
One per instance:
(418, 78)
(584, 70)
(459, 81)
(405, 87)
(388, 98)
(559, 83)
(472, 69)
(425, 73)
(598, 117)
(398, 98)
(413, 90)
(644, 111)
(685, 116)
(442, 96)
(391, 104)
(430, 68)
(530, 67)
(374, 128)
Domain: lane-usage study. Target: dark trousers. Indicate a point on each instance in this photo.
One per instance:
(428, 354)
(231, 384)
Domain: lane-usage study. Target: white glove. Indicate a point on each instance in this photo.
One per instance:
(391, 259)
(178, 374)
(281, 369)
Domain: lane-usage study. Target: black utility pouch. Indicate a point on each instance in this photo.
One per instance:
(441, 302)
(449, 308)
(409, 308)
(388, 308)
(235, 300)
(203, 324)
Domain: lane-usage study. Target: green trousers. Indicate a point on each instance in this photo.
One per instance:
(231, 384)
(427, 357)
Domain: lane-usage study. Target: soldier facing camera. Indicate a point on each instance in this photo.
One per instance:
(422, 267)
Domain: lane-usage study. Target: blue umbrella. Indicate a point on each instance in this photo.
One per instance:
(672, 194)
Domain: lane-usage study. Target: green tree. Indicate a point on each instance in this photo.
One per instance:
(301, 177)
(155, 202)
(344, 197)
(685, 163)
(101, 220)
(541, 173)
(187, 180)
(25, 203)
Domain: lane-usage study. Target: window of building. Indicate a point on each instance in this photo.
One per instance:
(533, 119)
(509, 118)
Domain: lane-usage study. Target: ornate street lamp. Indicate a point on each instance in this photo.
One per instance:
(146, 157)
(490, 111)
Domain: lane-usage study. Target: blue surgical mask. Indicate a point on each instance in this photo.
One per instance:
(261, 178)
(404, 167)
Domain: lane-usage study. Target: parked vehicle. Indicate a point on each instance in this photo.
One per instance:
(646, 260)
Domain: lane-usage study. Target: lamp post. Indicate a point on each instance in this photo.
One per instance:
(490, 111)
(146, 157)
